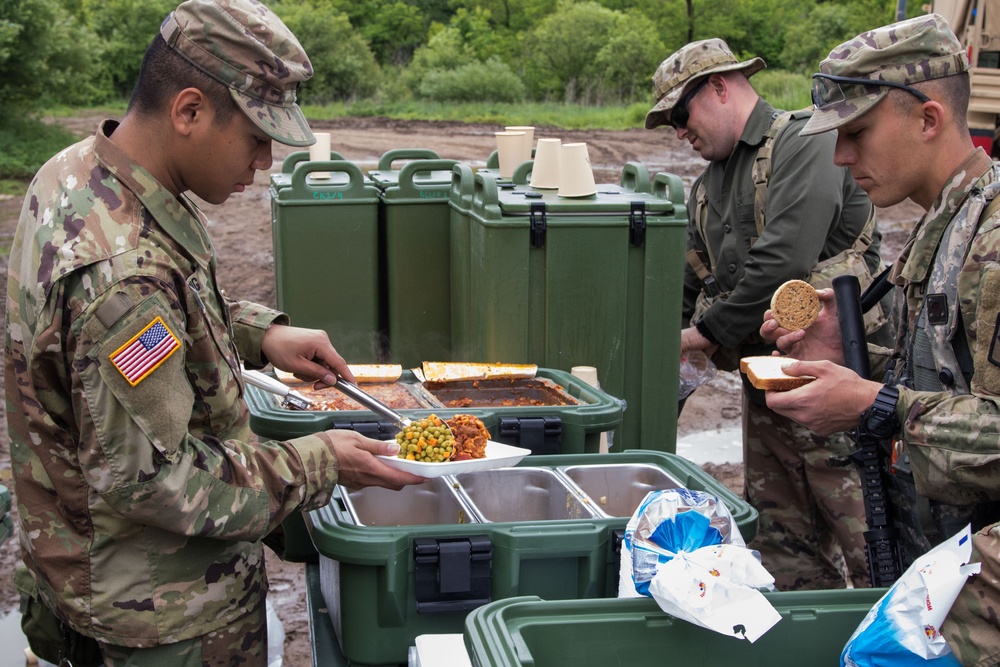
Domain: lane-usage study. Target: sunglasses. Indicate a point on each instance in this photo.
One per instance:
(679, 115)
(828, 89)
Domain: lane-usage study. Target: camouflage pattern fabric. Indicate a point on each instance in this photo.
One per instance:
(972, 627)
(952, 440)
(245, 46)
(811, 531)
(690, 62)
(241, 644)
(906, 52)
(141, 503)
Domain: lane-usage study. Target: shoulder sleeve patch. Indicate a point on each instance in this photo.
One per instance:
(144, 352)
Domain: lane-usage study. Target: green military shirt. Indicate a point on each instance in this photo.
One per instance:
(815, 210)
(142, 500)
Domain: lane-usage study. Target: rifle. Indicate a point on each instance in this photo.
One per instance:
(881, 538)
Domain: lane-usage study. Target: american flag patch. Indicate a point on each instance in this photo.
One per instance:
(145, 351)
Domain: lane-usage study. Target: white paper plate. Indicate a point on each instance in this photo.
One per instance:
(498, 455)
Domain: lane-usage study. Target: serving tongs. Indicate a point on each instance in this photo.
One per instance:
(290, 398)
(375, 405)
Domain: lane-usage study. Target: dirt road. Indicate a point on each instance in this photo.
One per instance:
(241, 231)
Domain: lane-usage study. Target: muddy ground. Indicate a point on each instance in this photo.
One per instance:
(241, 231)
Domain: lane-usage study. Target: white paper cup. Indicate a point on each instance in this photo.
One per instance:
(510, 151)
(529, 139)
(320, 152)
(576, 177)
(588, 374)
(545, 170)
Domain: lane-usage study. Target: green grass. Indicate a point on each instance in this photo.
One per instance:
(29, 143)
(562, 116)
(784, 90)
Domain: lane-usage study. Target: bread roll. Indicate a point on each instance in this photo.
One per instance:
(795, 305)
(765, 373)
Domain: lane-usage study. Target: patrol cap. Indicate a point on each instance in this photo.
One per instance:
(691, 61)
(893, 56)
(246, 47)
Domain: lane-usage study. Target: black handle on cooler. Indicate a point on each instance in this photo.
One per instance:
(881, 538)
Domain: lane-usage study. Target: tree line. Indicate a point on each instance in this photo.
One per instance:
(590, 52)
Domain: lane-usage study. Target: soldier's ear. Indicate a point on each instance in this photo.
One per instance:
(189, 109)
(934, 116)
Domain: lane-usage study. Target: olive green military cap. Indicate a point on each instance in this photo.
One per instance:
(690, 62)
(245, 46)
(893, 56)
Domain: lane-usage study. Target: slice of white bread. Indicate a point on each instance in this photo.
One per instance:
(765, 373)
(795, 305)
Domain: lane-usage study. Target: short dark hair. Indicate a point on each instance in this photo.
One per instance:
(952, 91)
(164, 73)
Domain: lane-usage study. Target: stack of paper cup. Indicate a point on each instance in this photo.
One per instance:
(510, 149)
(588, 374)
(527, 143)
(320, 152)
(545, 170)
(576, 177)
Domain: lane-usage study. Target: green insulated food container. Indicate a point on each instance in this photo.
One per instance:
(634, 632)
(398, 564)
(589, 281)
(325, 236)
(283, 178)
(416, 219)
(6, 523)
(460, 204)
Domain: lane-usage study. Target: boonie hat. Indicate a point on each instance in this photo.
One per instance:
(691, 61)
(893, 56)
(245, 46)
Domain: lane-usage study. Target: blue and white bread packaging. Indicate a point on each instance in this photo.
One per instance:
(903, 629)
(683, 549)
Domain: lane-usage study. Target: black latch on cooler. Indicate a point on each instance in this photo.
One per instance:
(452, 574)
(637, 223)
(373, 430)
(541, 435)
(537, 224)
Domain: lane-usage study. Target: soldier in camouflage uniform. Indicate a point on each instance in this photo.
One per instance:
(811, 514)
(142, 500)
(898, 97)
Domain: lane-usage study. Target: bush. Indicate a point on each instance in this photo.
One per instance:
(491, 81)
(343, 65)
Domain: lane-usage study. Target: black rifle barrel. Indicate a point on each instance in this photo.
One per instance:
(881, 539)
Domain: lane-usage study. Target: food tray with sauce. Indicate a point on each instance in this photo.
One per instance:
(552, 413)
(395, 565)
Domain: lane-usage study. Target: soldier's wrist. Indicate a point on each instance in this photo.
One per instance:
(879, 420)
(706, 332)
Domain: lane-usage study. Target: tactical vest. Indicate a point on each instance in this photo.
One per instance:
(937, 358)
(850, 261)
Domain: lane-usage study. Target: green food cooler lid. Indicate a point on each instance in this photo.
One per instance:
(634, 632)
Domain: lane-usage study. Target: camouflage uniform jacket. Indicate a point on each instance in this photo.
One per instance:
(814, 211)
(954, 440)
(142, 502)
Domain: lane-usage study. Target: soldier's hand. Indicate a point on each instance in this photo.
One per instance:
(831, 403)
(358, 466)
(308, 353)
(821, 341)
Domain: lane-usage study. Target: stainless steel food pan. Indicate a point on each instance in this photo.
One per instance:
(433, 502)
(522, 494)
(617, 489)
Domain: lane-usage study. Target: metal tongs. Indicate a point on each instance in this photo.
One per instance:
(290, 398)
(377, 406)
(372, 403)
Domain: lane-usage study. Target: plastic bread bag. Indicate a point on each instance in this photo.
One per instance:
(695, 370)
(903, 628)
(687, 553)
